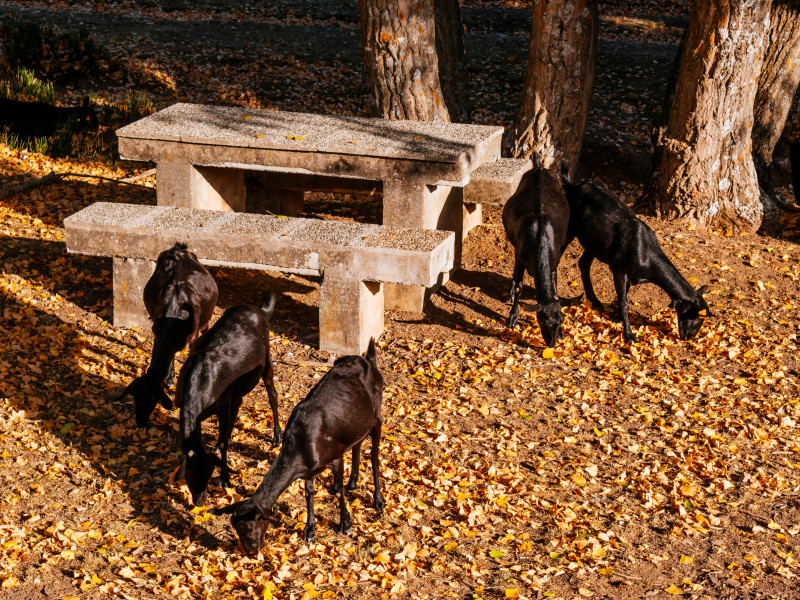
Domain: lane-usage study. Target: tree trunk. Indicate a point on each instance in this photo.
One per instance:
(451, 59)
(399, 44)
(780, 75)
(706, 173)
(558, 84)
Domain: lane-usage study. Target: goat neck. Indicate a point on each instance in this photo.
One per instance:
(170, 337)
(668, 278)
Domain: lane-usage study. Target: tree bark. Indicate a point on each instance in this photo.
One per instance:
(706, 172)
(451, 59)
(398, 39)
(780, 75)
(558, 84)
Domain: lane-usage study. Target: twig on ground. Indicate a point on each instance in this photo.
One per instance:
(134, 178)
(29, 185)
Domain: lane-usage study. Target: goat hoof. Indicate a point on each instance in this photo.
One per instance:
(379, 505)
(309, 533)
(345, 527)
(276, 441)
(351, 487)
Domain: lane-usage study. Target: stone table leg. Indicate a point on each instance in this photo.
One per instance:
(213, 188)
(130, 277)
(420, 206)
(350, 313)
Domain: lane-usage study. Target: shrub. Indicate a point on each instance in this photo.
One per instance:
(24, 85)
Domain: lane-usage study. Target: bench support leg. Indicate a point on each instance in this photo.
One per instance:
(213, 188)
(350, 313)
(419, 206)
(266, 196)
(473, 216)
(130, 277)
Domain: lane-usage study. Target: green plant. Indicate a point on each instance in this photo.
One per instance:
(24, 85)
(137, 105)
(11, 140)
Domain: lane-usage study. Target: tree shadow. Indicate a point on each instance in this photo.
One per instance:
(67, 392)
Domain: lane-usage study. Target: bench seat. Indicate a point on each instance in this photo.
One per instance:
(354, 259)
(495, 182)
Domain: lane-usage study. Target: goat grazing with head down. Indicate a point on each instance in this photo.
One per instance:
(224, 365)
(536, 220)
(180, 298)
(612, 234)
(336, 416)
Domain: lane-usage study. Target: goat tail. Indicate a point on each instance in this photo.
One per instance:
(372, 355)
(268, 305)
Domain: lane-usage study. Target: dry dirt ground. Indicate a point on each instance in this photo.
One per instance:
(604, 470)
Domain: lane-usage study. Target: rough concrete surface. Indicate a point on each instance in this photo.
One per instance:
(495, 182)
(306, 132)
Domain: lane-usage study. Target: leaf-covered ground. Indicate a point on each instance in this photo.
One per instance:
(602, 470)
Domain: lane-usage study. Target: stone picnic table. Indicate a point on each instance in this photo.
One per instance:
(207, 157)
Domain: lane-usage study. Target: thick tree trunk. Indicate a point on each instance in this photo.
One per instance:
(780, 75)
(451, 59)
(706, 172)
(558, 84)
(399, 43)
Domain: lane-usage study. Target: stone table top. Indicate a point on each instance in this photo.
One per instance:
(305, 132)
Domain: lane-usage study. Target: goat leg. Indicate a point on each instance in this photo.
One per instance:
(311, 522)
(585, 265)
(376, 442)
(353, 481)
(345, 524)
(226, 421)
(516, 291)
(268, 377)
(621, 285)
(169, 380)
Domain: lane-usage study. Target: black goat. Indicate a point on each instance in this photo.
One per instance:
(612, 234)
(337, 415)
(223, 366)
(536, 220)
(180, 298)
(39, 119)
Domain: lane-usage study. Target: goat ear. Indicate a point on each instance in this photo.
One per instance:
(703, 289)
(86, 102)
(571, 301)
(535, 308)
(125, 391)
(225, 510)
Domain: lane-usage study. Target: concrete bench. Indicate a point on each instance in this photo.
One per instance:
(495, 182)
(354, 259)
(248, 160)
